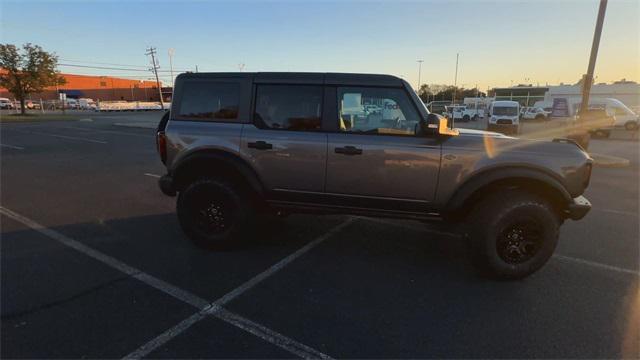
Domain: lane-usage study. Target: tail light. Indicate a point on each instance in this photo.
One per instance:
(161, 144)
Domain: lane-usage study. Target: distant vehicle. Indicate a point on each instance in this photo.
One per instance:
(472, 113)
(624, 116)
(87, 104)
(6, 104)
(71, 103)
(455, 112)
(535, 113)
(598, 121)
(438, 106)
(504, 117)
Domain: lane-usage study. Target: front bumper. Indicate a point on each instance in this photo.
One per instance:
(166, 185)
(578, 208)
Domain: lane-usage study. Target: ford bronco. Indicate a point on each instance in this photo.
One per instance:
(238, 146)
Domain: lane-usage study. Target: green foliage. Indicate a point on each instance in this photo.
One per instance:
(445, 92)
(28, 71)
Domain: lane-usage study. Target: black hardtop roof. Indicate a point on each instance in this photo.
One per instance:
(304, 78)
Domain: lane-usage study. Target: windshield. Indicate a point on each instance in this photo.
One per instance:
(503, 110)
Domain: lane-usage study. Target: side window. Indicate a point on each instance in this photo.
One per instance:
(386, 111)
(288, 107)
(208, 100)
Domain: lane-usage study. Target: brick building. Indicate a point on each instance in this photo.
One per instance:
(104, 88)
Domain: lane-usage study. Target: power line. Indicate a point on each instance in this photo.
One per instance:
(101, 63)
(113, 68)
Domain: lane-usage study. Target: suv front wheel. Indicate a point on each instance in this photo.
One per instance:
(214, 214)
(513, 233)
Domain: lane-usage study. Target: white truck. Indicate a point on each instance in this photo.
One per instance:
(504, 116)
(624, 116)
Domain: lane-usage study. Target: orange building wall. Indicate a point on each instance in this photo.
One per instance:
(103, 88)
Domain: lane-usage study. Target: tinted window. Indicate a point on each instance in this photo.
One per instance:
(507, 111)
(288, 107)
(376, 111)
(207, 100)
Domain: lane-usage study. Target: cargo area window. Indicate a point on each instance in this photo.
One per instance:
(288, 107)
(208, 101)
(383, 111)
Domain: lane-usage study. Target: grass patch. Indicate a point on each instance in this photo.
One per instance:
(16, 118)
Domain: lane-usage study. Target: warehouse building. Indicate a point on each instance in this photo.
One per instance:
(103, 88)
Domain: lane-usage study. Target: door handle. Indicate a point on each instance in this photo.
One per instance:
(348, 150)
(260, 145)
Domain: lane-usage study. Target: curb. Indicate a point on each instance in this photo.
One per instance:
(607, 161)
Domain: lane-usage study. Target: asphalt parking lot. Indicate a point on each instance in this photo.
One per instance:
(94, 265)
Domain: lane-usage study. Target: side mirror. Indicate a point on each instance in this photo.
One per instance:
(438, 125)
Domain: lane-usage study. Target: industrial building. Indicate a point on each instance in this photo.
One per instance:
(626, 91)
(103, 88)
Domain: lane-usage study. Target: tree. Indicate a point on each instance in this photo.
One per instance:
(27, 72)
(425, 93)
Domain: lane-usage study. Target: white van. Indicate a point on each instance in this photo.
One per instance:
(614, 107)
(504, 116)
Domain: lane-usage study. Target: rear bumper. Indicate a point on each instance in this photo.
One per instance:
(166, 185)
(578, 208)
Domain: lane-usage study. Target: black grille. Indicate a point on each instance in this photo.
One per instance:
(504, 122)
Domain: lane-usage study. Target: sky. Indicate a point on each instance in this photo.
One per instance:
(499, 42)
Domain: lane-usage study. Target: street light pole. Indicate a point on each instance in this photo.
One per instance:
(455, 80)
(587, 79)
(419, 74)
(171, 52)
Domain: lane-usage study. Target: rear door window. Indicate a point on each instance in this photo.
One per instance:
(288, 107)
(209, 101)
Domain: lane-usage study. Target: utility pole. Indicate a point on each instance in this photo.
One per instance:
(152, 51)
(587, 79)
(455, 80)
(419, 74)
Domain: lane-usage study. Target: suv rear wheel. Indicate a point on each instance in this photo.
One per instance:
(214, 214)
(513, 233)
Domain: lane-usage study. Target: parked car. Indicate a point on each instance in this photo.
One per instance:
(6, 104)
(455, 112)
(504, 117)
(535, 113)
(87, 104)
(242, 146)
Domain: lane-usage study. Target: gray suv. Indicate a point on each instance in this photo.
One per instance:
(241, 146)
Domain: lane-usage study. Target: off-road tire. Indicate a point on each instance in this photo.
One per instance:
(498, 216)
(466, 118)
(631, 126)
(205, 199)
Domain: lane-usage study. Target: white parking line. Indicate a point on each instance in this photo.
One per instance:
(12, 146)
(105, 131)
(618, 212)
(597, 265)
(152, 175)
(218, 311)
(204, 307)
(557, 256)
(63, 136)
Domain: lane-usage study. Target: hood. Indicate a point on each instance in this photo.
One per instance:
(481, 133)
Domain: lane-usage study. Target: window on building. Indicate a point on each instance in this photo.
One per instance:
(208, 100)
(385, 111)
(288, 107)
(103, 83)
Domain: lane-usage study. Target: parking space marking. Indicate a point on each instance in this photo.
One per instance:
(618, 212)
(152, 175)
(12, 146)
(597, 265)
(62, 136)
(218, 311)
(557, 256)
(204, 307)
(106, 131)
